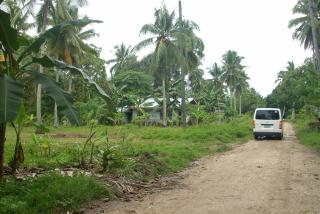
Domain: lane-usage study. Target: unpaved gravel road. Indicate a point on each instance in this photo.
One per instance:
(267, 176)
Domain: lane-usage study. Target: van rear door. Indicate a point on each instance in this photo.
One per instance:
(267, 120)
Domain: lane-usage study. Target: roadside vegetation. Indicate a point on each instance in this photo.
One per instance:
(59, 181)
(298, 87)
(307, 134)
(68, 124)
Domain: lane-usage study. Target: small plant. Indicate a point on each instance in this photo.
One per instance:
(197, 113)
(43, 142)
(142, 119)
(111, 157)
(19, 123)
(88, 142)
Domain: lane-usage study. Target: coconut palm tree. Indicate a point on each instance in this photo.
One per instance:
(43, 19)
(192, 48)
(19, 15)
(302, 24)
(216, 72)
(231, 68)
(162, 32)
(241, 86)
(122, 54)
(68, 46)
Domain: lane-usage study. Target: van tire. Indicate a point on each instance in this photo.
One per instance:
(280, 137)
(256, 137)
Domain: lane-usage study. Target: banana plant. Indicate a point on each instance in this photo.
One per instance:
(17, 70)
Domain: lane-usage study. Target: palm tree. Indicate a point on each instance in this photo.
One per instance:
(69, 45)
(306, 26)
(241, 86)
(302, 24)
(290, 68)
(162, 32)
(216, 72)
(192, 51)
(19, 15)
(43, 19)
(231, 68)
(122, 54)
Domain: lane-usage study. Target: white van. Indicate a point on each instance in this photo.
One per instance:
(267, 122)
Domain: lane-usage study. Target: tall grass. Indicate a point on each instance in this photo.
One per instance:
(306, 135)
(49, 194)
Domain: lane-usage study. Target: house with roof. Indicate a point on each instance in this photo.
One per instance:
(153, 107)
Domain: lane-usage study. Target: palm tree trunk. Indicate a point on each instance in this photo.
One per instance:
(183, 87)
(314, 34)
(56, 119)
(164, 98)
(39, 88)
(235, 102)
(240, 107)
(70, 85)
(38, 100)
(2, 141)
(231, 98)
(68, 59)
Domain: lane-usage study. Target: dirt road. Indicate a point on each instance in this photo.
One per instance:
(266, 176)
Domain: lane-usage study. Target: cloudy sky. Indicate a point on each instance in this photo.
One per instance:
(256, 29)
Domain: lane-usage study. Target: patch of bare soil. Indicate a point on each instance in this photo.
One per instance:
(267, 176)
(68, 135)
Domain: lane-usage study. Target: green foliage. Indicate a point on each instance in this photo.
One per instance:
(197, 113)
(307, 136)
(298, 87)
(142, 119)
(49, 194)
(10, 98)
(134, 82)
(43, 143)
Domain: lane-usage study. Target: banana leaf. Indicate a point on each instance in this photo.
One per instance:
(10, 98)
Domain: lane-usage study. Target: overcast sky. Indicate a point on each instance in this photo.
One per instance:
(256, 29)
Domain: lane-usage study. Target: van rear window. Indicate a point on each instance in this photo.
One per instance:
(267, 115)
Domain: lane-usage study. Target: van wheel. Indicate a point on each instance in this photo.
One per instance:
(281, 137)
(256, 137)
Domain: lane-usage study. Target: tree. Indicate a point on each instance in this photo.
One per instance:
(241, 86)
(122, 56)
(16, 72)
(19, 15)
(306, 26)
(163, 32)
(217, 76)
(69, 45)
(192, 52)
(232, 67)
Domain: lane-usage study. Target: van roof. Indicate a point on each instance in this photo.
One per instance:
(267, 109)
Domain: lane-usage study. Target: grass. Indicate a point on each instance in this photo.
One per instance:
(49, 194)
(137, 152)
(306, 135)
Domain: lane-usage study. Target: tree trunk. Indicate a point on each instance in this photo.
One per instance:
(314, 34)
(70, 85)
(240, 107)
(2, 141)
(38, 105)
(164, 98)
(234, 100)
(68, 59)
(39, 88)
(231, 98)
(56, 119)
(183, 87)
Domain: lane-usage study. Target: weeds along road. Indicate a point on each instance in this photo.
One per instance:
(267, 176)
